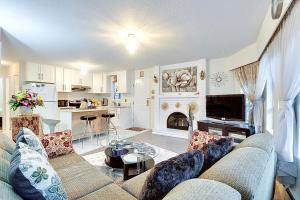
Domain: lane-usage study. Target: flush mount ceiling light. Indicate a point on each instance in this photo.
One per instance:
(83, 70)
(131, 43)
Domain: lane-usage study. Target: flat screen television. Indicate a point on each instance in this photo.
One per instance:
(226, 107)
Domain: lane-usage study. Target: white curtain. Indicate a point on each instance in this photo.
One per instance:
(284, 58)
(258, 104)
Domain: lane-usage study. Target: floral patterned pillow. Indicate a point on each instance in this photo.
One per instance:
(200, 139)
(32, 177)
(26, 136)
(58, 144)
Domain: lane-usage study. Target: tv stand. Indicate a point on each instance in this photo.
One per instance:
(241, 128)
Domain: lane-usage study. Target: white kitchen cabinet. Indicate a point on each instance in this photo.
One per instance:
(48, 73)
(105, 83)
(97, 86)
(123, 81)
(81, 79)
(63, 79)
(122, 119)
(35, 72)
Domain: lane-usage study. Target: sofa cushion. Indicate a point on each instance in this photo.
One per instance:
(65, 161)
(7, 192)
(5, 155)
(4, 170)
(134, 186)
(262, 141)
(32, 177)
(202, 189)
(80, 179)
(241, 169)
(58, 143)
(28, 137)
(109, 192)
(7, 144)
(167, 174)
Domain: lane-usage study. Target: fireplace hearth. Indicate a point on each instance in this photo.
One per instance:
(178, 120)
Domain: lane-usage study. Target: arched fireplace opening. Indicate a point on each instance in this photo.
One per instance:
(178, 120)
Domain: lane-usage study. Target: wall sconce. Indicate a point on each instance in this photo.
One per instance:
(202, 75)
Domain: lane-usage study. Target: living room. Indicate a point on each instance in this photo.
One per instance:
(150, 99)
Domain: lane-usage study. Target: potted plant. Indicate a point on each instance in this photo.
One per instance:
(26, 101)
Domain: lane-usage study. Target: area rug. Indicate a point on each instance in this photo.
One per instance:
(90, 144)
(98, 160)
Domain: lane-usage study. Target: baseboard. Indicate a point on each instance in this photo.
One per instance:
(290, 194)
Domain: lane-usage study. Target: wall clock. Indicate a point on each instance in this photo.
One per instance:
(276, 8)
(218, 79)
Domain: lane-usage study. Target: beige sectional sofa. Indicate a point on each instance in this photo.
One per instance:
(248, 172)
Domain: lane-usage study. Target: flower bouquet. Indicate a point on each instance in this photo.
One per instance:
(26, 100)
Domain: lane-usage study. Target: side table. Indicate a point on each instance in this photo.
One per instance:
(33, 122)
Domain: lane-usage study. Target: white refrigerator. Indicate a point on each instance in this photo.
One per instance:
(48, 93)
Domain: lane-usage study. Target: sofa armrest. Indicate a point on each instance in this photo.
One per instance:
(203, 189)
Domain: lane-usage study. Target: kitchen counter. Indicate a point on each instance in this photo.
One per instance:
(102, 108)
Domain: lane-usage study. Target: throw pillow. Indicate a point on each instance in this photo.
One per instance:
(58, 144)
(216, 150)
(26, 136)
(200, 139)
(167, 174)
(32, 177)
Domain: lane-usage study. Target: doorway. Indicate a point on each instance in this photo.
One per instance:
(142, 102)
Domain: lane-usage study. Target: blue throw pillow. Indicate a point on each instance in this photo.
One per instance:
(26, 136)
(167, 174)
(32, 177)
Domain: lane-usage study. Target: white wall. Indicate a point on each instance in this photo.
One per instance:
(229, 86)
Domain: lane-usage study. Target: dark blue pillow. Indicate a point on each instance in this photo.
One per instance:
(167, 174)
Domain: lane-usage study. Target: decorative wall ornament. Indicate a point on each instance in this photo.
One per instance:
(155, 79)
(179, 80)
(165, 106)
(219, 79)
(177, 105)
(202, 75)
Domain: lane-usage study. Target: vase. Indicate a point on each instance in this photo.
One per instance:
(25, 110)
(190, 132)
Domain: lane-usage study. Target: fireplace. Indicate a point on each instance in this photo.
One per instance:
(178, 120)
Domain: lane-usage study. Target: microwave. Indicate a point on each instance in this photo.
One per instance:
(62, 103)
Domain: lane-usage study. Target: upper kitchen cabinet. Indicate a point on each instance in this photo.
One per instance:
(97, 86)
(123, 81)
(35, 72)
(63, 79)
(82, 79)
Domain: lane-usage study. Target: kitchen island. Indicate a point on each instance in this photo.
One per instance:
(70, 119)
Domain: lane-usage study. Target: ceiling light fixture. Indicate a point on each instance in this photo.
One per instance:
(131, 43)
(83, 70)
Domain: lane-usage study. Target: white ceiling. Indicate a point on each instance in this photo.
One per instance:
(87, 32)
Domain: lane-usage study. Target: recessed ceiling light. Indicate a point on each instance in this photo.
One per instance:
(131, 43)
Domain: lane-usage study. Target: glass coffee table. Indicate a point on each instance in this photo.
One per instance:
(134, 157)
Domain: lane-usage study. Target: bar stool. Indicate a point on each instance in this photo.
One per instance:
(51, 123)
(88, 125)
(109, 126)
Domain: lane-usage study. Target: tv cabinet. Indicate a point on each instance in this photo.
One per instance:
(241, 128)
